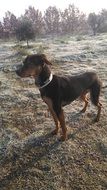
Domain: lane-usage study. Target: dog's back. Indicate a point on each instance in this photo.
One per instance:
(71, 87)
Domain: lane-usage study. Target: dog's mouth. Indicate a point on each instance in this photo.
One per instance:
(21, 74)
(24, 74)
(18, 72)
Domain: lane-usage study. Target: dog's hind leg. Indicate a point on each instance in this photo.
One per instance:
(50, 106)
(85, 99)
(95, 93)
(99, 106)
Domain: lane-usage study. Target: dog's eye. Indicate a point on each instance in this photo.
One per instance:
(19, 66)
(26, 66)
(30, 64)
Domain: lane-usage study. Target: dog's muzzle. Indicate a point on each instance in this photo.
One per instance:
(19, 69)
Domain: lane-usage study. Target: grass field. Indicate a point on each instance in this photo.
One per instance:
(30, 158)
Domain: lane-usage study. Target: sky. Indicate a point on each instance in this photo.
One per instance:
(17, 7)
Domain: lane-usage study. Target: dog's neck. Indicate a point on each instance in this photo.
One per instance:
(44, 77)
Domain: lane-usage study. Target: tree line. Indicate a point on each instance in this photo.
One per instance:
(53, 22)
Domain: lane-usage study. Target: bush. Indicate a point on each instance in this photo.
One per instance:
(25, 31)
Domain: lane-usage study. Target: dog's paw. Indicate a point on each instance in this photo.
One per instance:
(83, 110)
(63, 138)
(96, 120)
(54, 132)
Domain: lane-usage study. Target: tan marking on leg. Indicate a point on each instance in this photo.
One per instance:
(48, 101)
(85, 99)
(63, 126)
(47, 113)
(99, 112)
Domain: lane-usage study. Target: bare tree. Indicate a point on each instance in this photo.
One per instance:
(83, 27)
(1, 30)
(9, 24)
(69, 19)
(94, 21)
(35, 17)
(103, 18)
(52, 20)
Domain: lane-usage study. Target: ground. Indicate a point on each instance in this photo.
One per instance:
(30, 158)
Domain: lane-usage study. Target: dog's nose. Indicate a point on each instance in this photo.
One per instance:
(18, 69)
(17, 72)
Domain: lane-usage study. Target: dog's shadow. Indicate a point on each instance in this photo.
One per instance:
(82, 122)
(35, 148)
(75, 116)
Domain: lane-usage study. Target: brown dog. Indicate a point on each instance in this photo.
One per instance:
(58, 91)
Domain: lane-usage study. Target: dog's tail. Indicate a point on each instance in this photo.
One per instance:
(95, 91)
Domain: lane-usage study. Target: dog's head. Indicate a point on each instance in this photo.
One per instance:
(32, 65)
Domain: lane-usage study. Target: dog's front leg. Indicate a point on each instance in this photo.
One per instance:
(63, 126)
(48, 101)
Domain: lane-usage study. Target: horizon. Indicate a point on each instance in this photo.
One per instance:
(84, 6)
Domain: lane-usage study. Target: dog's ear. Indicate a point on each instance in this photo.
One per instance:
(45, 59)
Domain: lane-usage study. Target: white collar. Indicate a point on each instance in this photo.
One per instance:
(47, 81)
